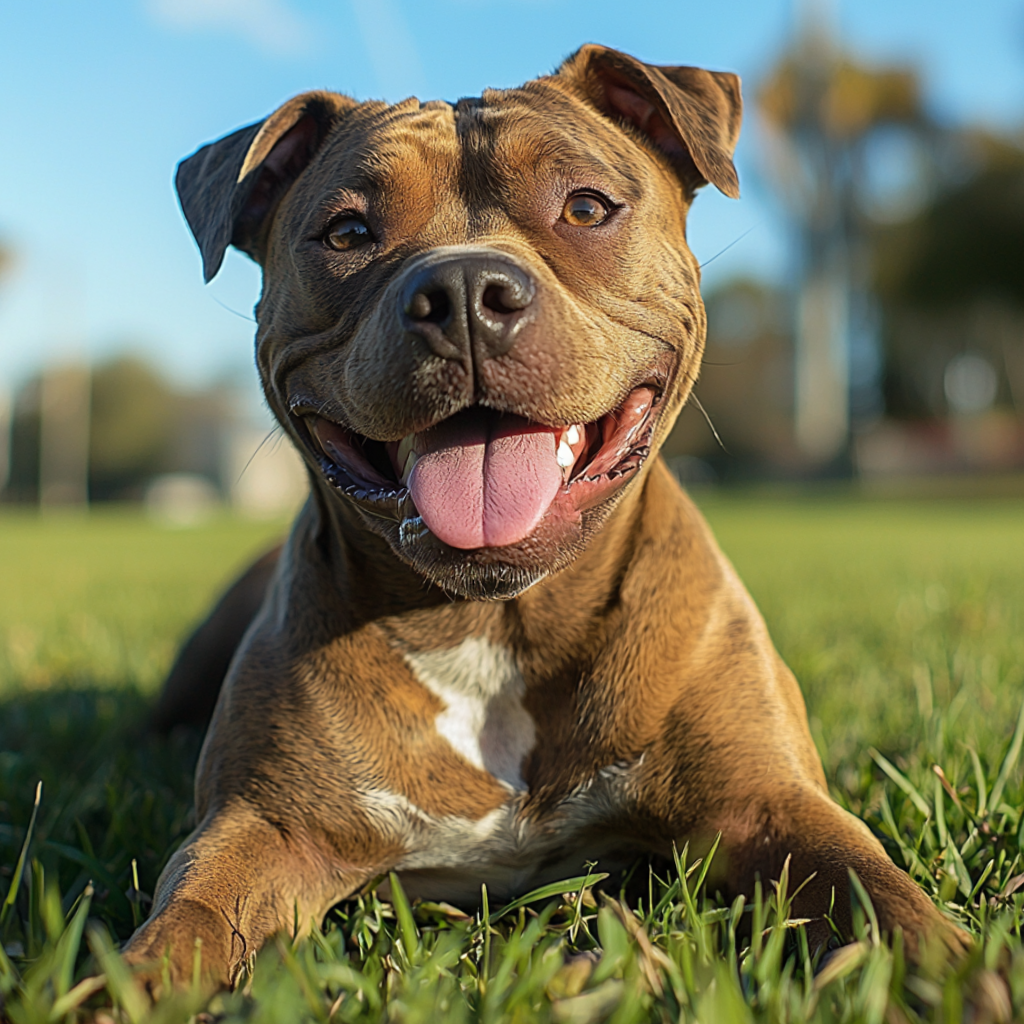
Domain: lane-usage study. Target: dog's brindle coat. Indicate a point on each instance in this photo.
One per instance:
(600, 687)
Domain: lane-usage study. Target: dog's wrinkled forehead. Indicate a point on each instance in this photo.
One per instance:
(540, 129)
(481, 159)
(403, 153)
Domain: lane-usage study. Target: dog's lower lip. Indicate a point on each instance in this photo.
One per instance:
(617, 444)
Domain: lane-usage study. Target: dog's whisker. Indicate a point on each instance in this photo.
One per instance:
(224, 305)
(727, 248)
(276, 429)
(711, 426)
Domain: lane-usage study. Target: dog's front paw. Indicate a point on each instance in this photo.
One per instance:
(185, 945)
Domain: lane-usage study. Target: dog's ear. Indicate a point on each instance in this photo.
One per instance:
(229, 189)
(692, 115)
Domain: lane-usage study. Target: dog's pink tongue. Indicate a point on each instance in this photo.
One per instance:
(484, 482)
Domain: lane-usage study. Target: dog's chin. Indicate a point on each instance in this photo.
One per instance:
(464, 574)
(494, 574)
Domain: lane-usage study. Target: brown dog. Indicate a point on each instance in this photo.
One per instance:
(500, 641)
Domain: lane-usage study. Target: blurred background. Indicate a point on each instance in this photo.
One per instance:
(865, 358)
(865, 297)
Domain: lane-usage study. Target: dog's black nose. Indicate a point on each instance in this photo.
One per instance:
(467, 305)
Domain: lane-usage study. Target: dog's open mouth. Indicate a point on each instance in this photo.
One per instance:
(486, 479)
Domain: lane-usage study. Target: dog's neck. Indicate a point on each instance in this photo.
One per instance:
(556, 616)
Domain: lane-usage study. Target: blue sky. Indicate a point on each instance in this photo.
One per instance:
(99, 100)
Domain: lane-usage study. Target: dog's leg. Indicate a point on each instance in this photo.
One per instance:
(190, 691)
(825, 843)
(237, 880)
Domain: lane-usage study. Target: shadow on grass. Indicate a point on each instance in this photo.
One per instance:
(112, 793)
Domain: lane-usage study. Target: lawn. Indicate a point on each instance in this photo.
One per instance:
(904, 622)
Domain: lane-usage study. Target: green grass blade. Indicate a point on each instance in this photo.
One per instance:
(577, 917)
(120, 982)
(902, 781)
(979, 781)
(981, 881)
(912, 859)
(1009, 761)
(8, 972)
(96, 870)
(706, 866)
(136, 920)
(36, 927)
(671, 893)
(547, 891)
(841, 963)
(485, 921)
(940, 812)
(403, 914)
(963, 876)
(19, 870)
(67, 946)
(869, 908)
(72, 1000)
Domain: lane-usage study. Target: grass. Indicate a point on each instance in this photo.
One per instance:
(903, 620)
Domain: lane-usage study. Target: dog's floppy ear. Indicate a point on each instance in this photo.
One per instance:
(692, 115)
(229, 189)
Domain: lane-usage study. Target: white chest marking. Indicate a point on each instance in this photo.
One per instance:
(483, 719)
(448, 856)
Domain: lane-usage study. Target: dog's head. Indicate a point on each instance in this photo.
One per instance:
(478, 321)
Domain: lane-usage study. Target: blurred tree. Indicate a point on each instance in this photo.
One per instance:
(6, 398)
(64, 399)
(133, 421)
(140, 426)
(966, 245)
(823, 113)
(952, 285)
(745, 389)
(22, 484)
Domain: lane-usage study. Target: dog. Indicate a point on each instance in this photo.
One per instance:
(500, 641)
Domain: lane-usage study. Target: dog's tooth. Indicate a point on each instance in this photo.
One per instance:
(411, 459)
(404, 447)
(572, 435)
(565, 456)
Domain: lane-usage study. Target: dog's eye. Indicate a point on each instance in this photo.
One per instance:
(347, 233)
(585, 210)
